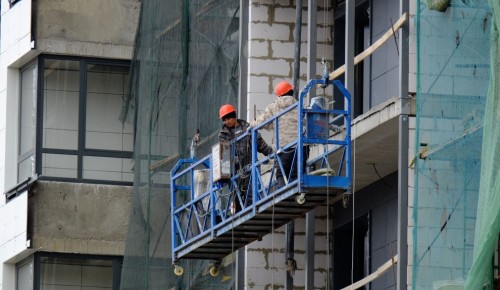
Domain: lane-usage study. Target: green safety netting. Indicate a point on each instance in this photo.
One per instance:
(185, 66)
(456, 196)
(488, 211)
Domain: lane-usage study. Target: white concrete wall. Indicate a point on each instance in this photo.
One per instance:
(62, 27)
(13, 229)
(14, 44)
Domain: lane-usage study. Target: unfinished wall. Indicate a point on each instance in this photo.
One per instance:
(80, 218)
(271, 46)
(454, 65)
(86, 28)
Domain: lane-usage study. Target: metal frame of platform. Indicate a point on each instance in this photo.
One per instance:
(204, 226)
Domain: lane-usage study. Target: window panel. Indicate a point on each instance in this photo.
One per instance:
(107, 168)
(24, 276)
(68, 273)
(61, 103)
(26, 168)
(105, 94)
(59, 165)
(28, 110)
(102, 88)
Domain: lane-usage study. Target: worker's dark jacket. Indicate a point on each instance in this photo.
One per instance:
(243, 148)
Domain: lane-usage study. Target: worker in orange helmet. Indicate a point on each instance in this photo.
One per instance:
(232, 128)
(287, 130)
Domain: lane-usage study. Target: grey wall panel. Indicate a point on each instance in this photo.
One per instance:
(385, 61)
(380, 201)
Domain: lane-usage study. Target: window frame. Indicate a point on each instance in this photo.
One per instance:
(32, 152)
(81, 150)
(117, 265)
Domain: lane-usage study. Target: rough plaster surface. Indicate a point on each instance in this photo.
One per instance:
(91, 27)
(80, 218)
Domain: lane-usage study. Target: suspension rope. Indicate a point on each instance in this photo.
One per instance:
(327, 220)
(272, 247)
(353, 204)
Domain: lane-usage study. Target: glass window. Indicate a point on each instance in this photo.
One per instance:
(24, 276)
(75, 273)
(105, 94)
(107, 168)
(59, 165)
(27, 122)
(61, 103)
(82, 137)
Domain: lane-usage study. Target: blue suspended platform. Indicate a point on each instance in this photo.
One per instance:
(213, 219)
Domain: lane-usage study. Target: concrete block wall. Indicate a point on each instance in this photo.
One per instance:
(454, 49)
(266, 259)
(271, 47)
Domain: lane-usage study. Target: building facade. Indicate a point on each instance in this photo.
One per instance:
(99, 99)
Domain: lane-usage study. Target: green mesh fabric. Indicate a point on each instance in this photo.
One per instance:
(488, 211)
(455, 144)
(185, 66)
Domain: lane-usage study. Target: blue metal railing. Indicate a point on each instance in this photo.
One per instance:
(197, 217)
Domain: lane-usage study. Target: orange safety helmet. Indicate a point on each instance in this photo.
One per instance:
(282, 88)
(226, 109)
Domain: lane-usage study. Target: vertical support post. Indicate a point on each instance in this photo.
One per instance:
(298, 41)
(312, 43)
(403, 150)
(402, 201)
(239, 282)
(173, 229)
(311, 74)
(349, 45)
(243, 105)
(310, 229)
(290, 227)
(289, 248)
(253, 173)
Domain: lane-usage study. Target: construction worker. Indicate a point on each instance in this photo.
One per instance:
(287, 131)
(232, 128)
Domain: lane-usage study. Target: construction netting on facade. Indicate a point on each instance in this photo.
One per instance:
(456, 198)
(185, 66)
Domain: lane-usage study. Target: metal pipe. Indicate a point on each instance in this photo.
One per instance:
(312, 42)
(349, 47)
(290, 227)
(297, 36)
(289, 248)
(402, 279)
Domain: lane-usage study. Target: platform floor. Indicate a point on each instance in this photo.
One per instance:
(255, 222)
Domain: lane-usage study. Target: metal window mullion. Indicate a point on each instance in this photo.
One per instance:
(116, 269)
(40, 97)
(36, 271)
(82, 109)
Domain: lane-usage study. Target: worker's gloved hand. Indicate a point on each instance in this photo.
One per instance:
(269, 150)
(249, 129)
